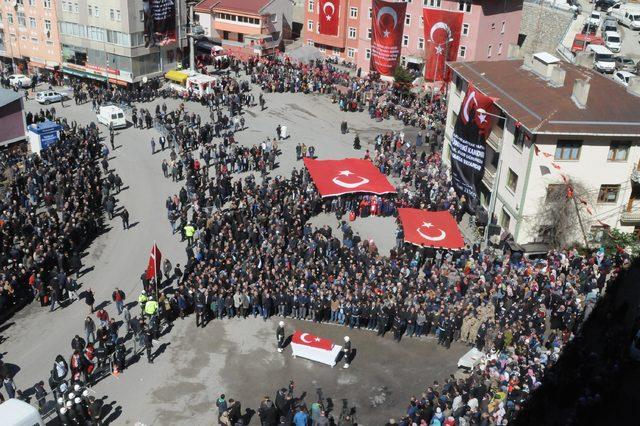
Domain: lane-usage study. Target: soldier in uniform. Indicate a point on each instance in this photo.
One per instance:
(280, 336)
(346, 349)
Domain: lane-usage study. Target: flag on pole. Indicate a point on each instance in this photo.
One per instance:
(155, 260)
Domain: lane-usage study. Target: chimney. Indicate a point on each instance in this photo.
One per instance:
(580, 93)
(557, 76)
(584, 59)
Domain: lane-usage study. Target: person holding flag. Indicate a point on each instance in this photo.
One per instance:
(154, 267)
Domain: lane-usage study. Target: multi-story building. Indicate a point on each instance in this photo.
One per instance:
(105, 39)
(488, 27)
(246, 28)
(29, 34)
(560, 123)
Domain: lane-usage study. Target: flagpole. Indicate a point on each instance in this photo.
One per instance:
(155, 266)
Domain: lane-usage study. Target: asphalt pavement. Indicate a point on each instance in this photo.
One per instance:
(193, 366)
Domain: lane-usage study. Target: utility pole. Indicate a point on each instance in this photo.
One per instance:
(192, 57)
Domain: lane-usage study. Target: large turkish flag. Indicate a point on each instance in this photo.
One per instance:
(328, 16)
(442, 32)
(431, 229)
(387, 26)
(348, 176)
(307, 339)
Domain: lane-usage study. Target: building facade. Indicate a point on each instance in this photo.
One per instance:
(559, 122)
(246, 28)
(29, 35)
(12, 118)
(105, 40)
(489, 26)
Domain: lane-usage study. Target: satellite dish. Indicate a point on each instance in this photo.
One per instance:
(144, 79)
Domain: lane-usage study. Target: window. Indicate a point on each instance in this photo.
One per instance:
(112, 14)
(22, 20)
(432, 3)
(464, 6)
(118, 17)
(352, 32)
(367, 53)
(353, 12)
(518, 137)
(512, 181)
(32, 23)
(90, 10)
(351, 52)
(568, 150)
(309, 25)
(493, 25)
(310, 42)
(608, 193)
(96, 11)
(274, 18)
(489, 51)
(310, 5)
(505, 220)
(465, 29)
(403, 61)
(47, 4)
(369, 34)
(141, 15)
(422, 22)
(370, 12)
(619, 151)
(336, 50)
(504, 24)
(47, 28)
(10, 18)
(421, 43)
(407, 19)
(499, 48)
(32, 2)
(462, 51)
(405, 40)
(35, 40)
(76, 8)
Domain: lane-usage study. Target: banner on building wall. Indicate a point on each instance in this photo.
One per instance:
(328, 17)
(159, 22)
(387, 27)
(442, 30)
(467, 147)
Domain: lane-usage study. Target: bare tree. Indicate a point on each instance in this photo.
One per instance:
(563, 219)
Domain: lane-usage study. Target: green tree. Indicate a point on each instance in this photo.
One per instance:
(614, 238)
(403, 78)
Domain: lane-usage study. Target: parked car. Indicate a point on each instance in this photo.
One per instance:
(49, 97)
(581, 41)
(609, 24)
(602, 58)
(604, 4)
(626, 14)
(19, 80)
(594, 18)
(613, 41)
(625, 64)
(588, 29)
(622, 77)
(112, 116)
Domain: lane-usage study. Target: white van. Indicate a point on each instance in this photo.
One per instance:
(112, 116)
(613, 41)
(626, 14)
(14, 412)
(603, 60)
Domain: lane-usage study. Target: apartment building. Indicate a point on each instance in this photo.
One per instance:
(246, 28)
(560, 121)
(488, 27)
(29, 35)
(105, 40)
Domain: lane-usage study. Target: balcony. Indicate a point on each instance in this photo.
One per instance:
(630, 218)
(495, 138)
(635, 177)
(489, 177)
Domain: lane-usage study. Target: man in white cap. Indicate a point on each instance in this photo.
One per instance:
(346, 349)
(280, 336)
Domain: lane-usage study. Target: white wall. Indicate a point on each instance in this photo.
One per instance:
(205, 22)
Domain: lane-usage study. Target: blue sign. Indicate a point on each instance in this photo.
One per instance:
(47, 139)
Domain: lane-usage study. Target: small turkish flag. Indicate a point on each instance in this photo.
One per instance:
(307, 339)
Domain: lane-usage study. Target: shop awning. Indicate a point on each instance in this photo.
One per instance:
(414, 60)
(81, 73)
(177, 76)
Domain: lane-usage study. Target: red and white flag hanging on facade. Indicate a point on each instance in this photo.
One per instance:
(430, 229)
(347, 176)
(155, 261)
(442, 32)
(328, 17)
(307, 339)
(387, 26)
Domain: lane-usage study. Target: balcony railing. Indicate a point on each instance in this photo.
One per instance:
(635, 176)
(495, 139)
(630, 218)
(489, 177)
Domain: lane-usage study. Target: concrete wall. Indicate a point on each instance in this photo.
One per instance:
(543, 26)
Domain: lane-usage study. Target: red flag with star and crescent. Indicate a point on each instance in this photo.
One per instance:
(430, 229)
(328, 17)
(442, 32)
(347, 176)
(387, 26)
(155, 260)
(308, 339)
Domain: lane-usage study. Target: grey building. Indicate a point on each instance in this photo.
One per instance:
(105, 39)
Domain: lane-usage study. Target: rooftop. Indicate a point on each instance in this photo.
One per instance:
(252, 7)
(8, 96)
(548, 108)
